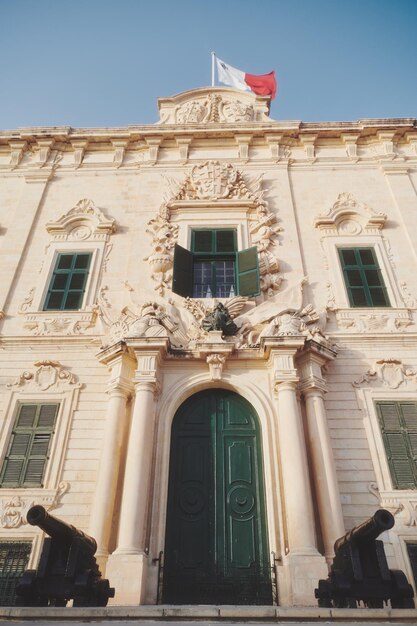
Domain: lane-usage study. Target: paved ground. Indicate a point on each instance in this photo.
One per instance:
(182, 623)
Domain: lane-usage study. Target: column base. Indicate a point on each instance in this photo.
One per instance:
(127, 573)
(302, 574)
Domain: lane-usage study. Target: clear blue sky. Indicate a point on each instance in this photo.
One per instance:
(90, 63)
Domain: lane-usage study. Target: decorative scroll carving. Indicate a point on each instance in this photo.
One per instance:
(404, 507)
(348, 216)
(214, 105)
(406, 296)
(84, 221)
(27, 301)
(42, 324)
(389, 373)
(391, 321)
(213, 181)
(47, 375)
(14, 508)
(216, 363)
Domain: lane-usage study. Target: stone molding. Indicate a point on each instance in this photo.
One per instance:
(347, 216)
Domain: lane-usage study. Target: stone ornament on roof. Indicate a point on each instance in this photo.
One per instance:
(213, 105)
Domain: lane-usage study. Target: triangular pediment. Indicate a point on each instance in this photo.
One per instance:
(213, 105)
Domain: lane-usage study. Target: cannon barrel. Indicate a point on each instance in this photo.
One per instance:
(55, 528)
(367, 531)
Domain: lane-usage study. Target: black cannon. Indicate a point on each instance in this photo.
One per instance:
(360, 573)
(67, 567)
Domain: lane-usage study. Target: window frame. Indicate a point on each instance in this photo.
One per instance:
(405, 435)
(360, 267)
(214, 256)
(32, 432)
(55, 271)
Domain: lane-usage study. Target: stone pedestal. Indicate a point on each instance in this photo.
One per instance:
(127, 573)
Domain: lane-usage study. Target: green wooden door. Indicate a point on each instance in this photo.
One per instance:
(216, 549)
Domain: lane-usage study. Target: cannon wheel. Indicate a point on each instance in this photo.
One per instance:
(324, 603)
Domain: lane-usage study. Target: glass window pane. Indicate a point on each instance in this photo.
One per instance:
(348, 257)
(354, 278)
(379, 297)
(225, 241)
(73, 301)
(64, 261)
(55, 301)
(59, 281)
(82, 261)
(367, 256)
(225, 278)
(203, 241)
(359, 297)
(77, 281)
(372, 278)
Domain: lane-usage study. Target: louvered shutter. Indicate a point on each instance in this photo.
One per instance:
(182, 279)
(29, 445)
(248, 272)
(14, 558)
(412, 555)
(399, 431)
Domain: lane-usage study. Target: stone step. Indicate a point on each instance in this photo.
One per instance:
(211, 614)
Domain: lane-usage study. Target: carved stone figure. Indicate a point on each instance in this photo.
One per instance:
(219, 319)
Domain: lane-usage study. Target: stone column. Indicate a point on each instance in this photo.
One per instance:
(120, 389)
(324, 470)
(296, 481)
(303, 565)
(127, 567)
(325, 479)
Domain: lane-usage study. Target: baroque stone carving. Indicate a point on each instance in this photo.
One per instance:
(40, 324)
(214, 105)
(220, 319)
(216, 363)
(348, 216)
(14, 508)
(404, 507)
(389, 322)
(83, 221)
(48, 374)
(389, 373)
(213, 181)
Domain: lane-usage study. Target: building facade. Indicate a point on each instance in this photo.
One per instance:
(208, 355)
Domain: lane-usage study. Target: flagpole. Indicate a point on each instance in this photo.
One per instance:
(213, 54)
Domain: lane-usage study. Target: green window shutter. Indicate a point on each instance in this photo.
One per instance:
(202, 241)
(225, 241)
(363, 278)
(14, 558)
(412, 555)
(248, 283)
(182, 278)
(68, 282)
(399, 432)
(29, 445)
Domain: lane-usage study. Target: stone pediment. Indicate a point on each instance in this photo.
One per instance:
(213, 105)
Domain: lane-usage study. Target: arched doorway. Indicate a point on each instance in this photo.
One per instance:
(216, 548)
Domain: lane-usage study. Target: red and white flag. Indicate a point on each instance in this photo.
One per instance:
(264, 85)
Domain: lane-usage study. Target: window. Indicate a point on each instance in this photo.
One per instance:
(214, 268)
(27, 453)
(398, 422)
(14, 557)
(68, 282)
(412, 555)
(363, 278)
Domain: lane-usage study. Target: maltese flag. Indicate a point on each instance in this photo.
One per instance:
(264, 85)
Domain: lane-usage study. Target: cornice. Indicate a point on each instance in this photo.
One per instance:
(295, 128)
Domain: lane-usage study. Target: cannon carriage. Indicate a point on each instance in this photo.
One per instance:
(360, 572)
(67, 567)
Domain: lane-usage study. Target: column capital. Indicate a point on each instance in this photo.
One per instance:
(150, 384)
(282, 384)
(313, 386)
